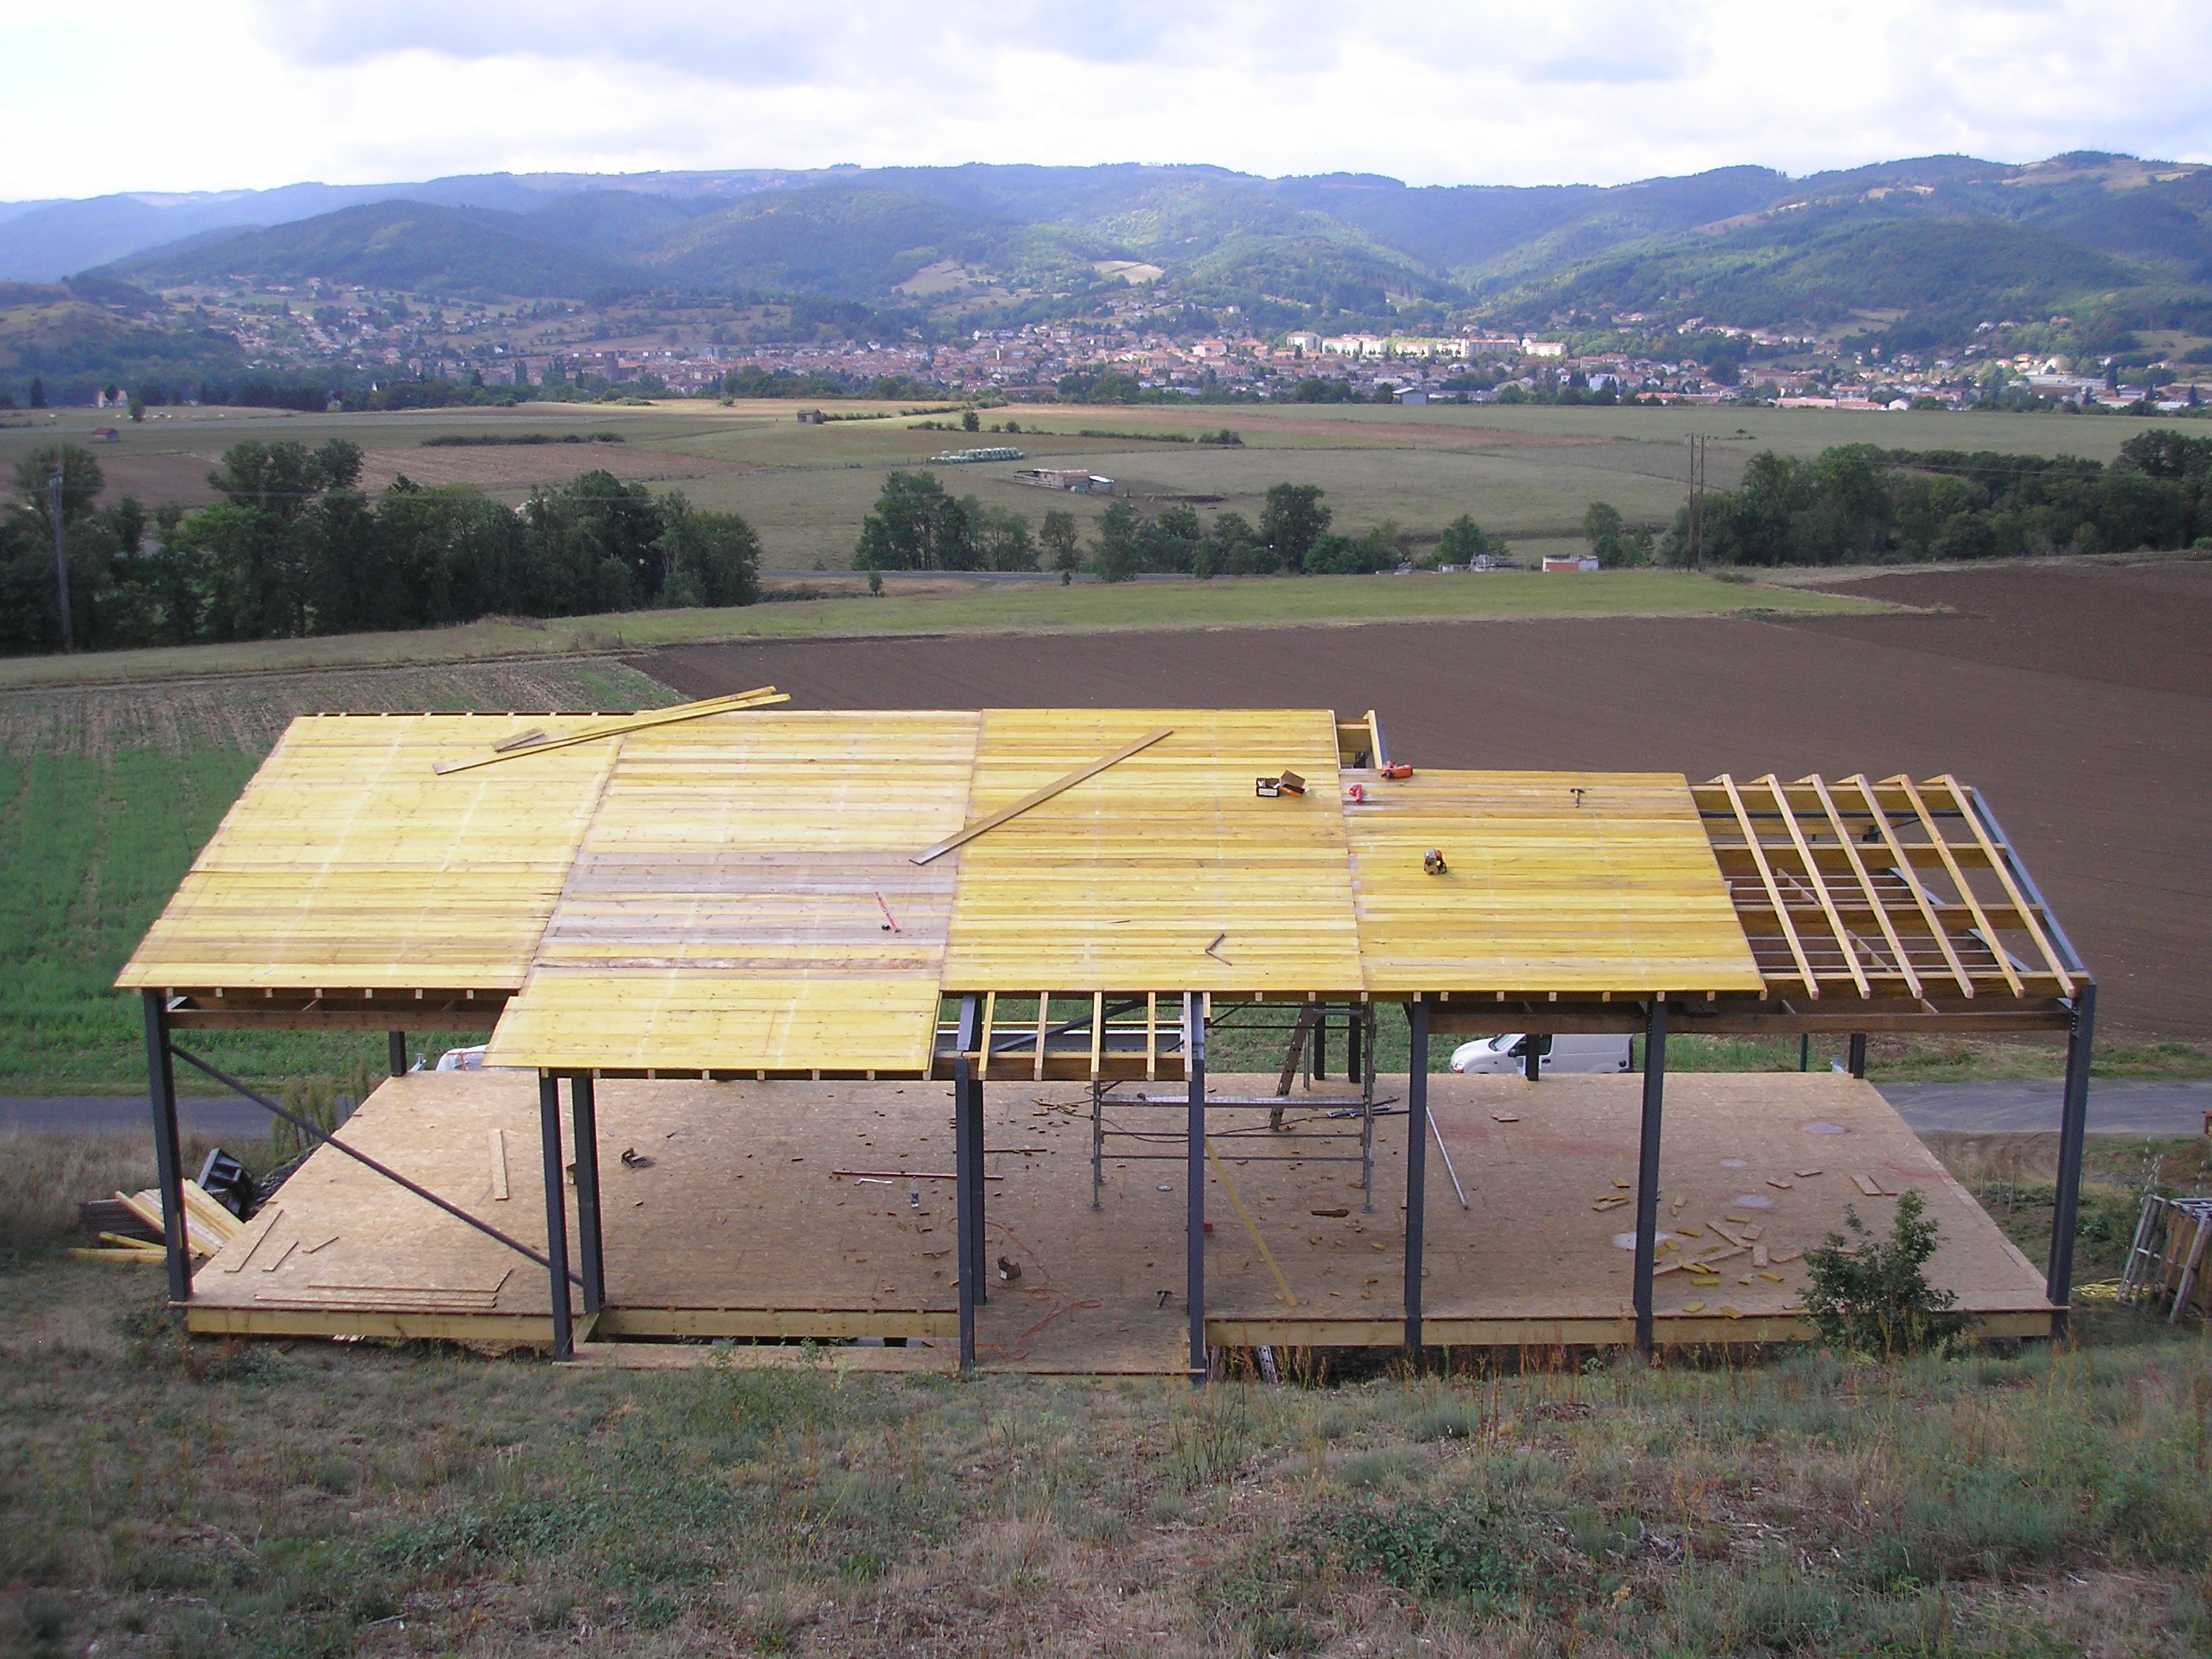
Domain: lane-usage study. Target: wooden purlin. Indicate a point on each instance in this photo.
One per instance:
(1936, 928)
(1934, 832)
(2002, 866)
(1866, 883)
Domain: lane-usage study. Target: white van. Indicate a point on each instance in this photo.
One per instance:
(1508, 1055)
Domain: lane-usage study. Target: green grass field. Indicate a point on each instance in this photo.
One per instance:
(951, 605)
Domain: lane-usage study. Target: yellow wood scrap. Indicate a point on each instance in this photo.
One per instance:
(86, 1253)
(1693, 1307)
(1777, 1181)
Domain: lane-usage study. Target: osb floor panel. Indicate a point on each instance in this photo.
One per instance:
(740, 1208)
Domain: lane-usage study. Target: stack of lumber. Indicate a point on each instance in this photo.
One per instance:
(208, 1226)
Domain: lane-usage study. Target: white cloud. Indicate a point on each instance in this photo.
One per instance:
(232, 93)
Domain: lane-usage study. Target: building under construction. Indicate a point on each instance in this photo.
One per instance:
(839, 1026)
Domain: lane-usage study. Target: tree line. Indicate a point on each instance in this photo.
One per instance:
(296, 547)
(1858, 503)
(916, 525)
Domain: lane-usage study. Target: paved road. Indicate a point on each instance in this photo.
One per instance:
(2115, 1108)
(2132, 1109)
(95, 1114)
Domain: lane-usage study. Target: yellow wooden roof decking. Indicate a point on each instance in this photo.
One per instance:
(1125, 881)
(746, 899)
(740, 892)
(348, 863)
(1573, 882)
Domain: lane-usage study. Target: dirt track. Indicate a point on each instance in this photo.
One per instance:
(2099, 762)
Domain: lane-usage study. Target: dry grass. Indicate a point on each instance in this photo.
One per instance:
(307, 1499)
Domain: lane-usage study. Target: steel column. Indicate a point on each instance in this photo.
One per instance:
(1532, 1057)
(2073, 1124)
(1194, 1050)
(1355, 1058)
(168, 1156)
(1417, 1169)
(1319, 1054)
(556, 1212)
(1857, 1062)
(1647, 1169)
(591, 1248)
(967, 1185)
(395, 1053)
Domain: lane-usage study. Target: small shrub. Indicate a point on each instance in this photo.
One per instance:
(1470, 1548)
(1871, 1295)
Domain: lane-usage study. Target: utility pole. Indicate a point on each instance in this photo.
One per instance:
(61, 557)
(1697, 557)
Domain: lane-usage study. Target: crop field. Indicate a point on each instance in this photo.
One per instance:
(1527, 473)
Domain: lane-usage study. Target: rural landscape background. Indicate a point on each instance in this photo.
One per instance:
(528, 439)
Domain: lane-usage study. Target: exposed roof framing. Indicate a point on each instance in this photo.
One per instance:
(1875, 891)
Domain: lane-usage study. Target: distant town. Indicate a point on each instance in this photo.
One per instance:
(365, 339)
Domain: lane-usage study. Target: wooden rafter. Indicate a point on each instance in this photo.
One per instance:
(1819, 887)
(1866, 881)
(1959, 880)
(1966, 981)
(1773, 892)
(2019, 900)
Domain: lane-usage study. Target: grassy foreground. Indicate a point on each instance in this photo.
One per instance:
(974, 607)
(312, 1499)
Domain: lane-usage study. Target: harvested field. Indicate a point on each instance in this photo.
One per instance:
(2142, 625)
(2106, 781)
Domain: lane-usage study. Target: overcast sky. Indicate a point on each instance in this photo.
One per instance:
(130, 94)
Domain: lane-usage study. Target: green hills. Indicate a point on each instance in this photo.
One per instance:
(1925, 249)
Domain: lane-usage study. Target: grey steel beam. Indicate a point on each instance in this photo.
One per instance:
(591, 1246)
(1857, 1062)
(1194, 1026)
(556, 1214)
(395, 1053)
(1417, 1170)
(2073, 1124)
(168, 1154)
(967, 1168)
(1647, 1168)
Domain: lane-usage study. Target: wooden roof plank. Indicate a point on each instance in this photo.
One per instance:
(1866, 883)
(1774, 893)
(1859, 781)
(1974, 903)
(2002, 865)
(1773, 786)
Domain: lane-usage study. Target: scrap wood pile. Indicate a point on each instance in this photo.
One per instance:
(127, 1227)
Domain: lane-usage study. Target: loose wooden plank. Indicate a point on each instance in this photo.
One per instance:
(1058, 786)
(689, 711)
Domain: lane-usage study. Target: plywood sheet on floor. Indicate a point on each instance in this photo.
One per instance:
(1532, 1248)
(742, 1208)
